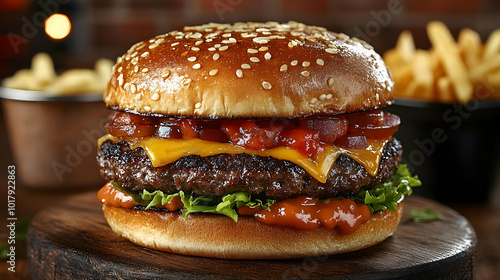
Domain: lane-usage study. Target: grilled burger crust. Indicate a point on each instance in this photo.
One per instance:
(226, 173)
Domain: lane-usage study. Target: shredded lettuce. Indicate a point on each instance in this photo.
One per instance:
(380, 197)
(388, 194)
(225, 205)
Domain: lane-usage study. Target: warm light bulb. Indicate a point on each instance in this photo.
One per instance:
(57, 26)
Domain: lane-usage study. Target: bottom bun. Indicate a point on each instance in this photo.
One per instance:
(219, 236)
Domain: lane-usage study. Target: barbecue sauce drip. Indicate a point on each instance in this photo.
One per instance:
(307, 213)
(110, 196)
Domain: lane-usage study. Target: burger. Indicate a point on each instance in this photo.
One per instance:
(252, 141)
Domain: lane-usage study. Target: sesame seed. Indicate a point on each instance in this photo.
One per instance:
(155, 96)
(197, 66)
(213, 72)
(133, 88)
(254, 59)
(217, 45)
(239, 73)
(266, 85)
(261, 40)
(198, 43)
(252, 51)
(322, 97)
(245, 66)
(120, 82)
(329, 96)
(186, 82)
(152, 46)
(136, 69)
(226, 35)
(144, 54)
(195, 49)
(248, 35)
(159, 41)
(226, 42)
(267, 56)
(294, 62)
(223, 48)
(215, 56)
(343, 36)
(174, 44)
(212, 49)
(314, 100)
(137, 97)
(134, 54)
(305, 73)
(306, 63)
(290, 44)
(320, 61)
(192, 58)
(330, 81)
(120, 69)
(165, 74)
(263, 49)
(134, 60)
(331, 51)
(147, 108)
(283, 68)
(197, 105)
(145, 70)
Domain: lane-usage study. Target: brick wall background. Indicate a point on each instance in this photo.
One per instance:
(106, 28)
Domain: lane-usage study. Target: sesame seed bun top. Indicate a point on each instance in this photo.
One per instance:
(249, 70)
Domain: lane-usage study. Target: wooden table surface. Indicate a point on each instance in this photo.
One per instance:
(484, 217)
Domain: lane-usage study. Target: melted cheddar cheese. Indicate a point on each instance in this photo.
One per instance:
(165, 151)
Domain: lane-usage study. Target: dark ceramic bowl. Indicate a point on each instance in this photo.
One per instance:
(454, 148)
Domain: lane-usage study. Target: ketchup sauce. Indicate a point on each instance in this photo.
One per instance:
(110, 196)
(307, 213)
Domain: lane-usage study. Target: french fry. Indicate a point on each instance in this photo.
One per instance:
(442, 40)
(422, 75)
(103, 70)
(469, 44)
(485, 68)
(22, 79)
(75, 80)
(405, 46)
(492, 45)
(402, 78)
(43, 69)
(444, 90)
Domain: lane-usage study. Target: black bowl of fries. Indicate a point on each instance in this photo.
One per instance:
(448, 98)
(53, 123)
(454, 148)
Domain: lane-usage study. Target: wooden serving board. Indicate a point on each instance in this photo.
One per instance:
(73, 241)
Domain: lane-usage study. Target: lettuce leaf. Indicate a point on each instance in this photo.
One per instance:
(388, 194)
(225, 205)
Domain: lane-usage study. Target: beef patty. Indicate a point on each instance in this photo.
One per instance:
(226, 173)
